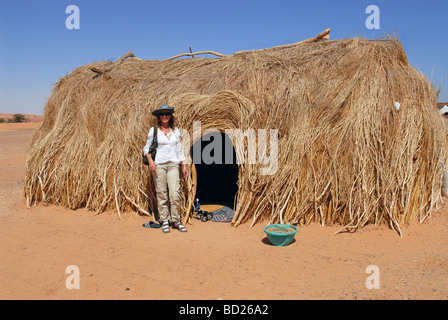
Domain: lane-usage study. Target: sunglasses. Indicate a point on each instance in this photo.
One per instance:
(165, 114)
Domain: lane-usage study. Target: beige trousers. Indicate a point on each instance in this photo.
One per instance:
(167, 182)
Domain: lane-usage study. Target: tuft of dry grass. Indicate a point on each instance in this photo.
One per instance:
(347, 156)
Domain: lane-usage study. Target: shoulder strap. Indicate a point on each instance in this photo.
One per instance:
(154, 138)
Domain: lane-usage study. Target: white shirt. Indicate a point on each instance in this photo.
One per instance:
(168, 150)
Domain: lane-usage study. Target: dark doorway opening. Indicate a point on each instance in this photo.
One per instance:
(217, 170)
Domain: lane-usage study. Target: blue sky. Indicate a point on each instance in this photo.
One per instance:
(36, 48)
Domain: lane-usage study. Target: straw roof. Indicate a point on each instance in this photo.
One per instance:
(346, 155)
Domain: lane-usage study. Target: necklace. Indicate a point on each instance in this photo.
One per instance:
(169, 134)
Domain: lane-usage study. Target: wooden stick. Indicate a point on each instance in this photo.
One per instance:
(118, 62)
(324, 35)
(197, 53)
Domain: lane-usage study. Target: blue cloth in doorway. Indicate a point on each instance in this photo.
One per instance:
(225, 214)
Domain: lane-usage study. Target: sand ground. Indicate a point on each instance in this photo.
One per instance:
(119, 259)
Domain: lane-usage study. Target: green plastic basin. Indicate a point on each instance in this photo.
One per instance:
(280, 234)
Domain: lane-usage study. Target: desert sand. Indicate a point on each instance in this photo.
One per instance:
(119, 259)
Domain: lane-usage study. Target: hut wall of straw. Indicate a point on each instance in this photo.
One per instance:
(346, 155)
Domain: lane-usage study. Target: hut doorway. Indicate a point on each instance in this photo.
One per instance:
(217, 169)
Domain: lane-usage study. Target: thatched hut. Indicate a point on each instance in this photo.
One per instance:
(348, 153)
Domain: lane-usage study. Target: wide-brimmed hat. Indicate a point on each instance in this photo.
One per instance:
(163, 109)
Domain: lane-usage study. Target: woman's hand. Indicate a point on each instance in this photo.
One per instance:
(153, 167)
(152, 164)
(184, 170)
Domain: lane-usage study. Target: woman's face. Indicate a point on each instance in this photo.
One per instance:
(165, 118)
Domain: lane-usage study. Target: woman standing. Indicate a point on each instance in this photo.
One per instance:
(165, 168)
